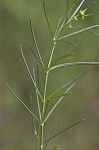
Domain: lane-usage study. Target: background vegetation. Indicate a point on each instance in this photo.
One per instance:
(15, 123)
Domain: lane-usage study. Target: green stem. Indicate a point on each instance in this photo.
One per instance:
(44, 97)
(41, 136)
(43, 113)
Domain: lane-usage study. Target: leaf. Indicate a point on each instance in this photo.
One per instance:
(21, 102)
(60, 58)
(57, 28)
(70, 43)
(67, 9)
(61, 95)
(88, 30)
(49, 138)
(57, 103)
(33, 120)
(70, 82)
(35, 43)
(35, 54)
(79, 31)
(67, 128)
(47, 18)
(38, 77)
(71, 9)
(28, 70)
(74, 64)
(62, 25)
(38, 103)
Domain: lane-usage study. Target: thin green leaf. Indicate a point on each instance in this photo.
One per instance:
(35, 54)
(34, 124)
(35, 43)
(38, 103)
(38, 77)
(67, 9)
(67, 128)
(21, 102)
(57, 96)
(70, 82)
(74, 64)
(64, 22)
(79, 31)
(33, 121)
(60, 58)
(57, 28)
(62, 25)
(29, 71)
(71, 9)
(88, 30)
(49, 138)
(47, 19)
(70, 43)
(75, 12)
(57, 103)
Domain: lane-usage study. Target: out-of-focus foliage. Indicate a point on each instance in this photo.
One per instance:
(15, 123)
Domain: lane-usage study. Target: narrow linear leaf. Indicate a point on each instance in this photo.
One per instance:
(67, 128)
(71, 9)
(57, 96)
(35, 54)
(33, 121)
(75, 12)
(67, 9)
(38, 77)
(57, 28)
(60, 58)
(47, 143)
(35, 43)
(47, 19)
(70, 82)
(38, 103)
(70, 43)
(88, 30)
(29, 71)
(62, 25)
(21, 102)
(74, 64)
(79, 31)
(57, 103)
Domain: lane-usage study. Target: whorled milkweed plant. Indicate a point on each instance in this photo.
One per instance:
(43, 100)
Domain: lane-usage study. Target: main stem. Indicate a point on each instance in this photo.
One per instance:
(44, 97)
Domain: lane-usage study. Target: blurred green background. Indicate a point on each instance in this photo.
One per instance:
(16, 131)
